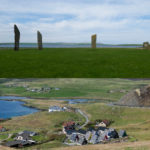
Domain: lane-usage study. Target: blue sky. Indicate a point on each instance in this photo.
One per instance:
(114, 21)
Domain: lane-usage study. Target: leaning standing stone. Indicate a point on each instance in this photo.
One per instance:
(93, 41)
(39, 39)
(17, 38)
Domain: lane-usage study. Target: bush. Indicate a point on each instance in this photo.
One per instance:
(57, 137)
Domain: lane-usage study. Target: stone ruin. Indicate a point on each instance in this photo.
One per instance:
(146, 45)
(39, 39)
(137, 98)
(93, 41)
(17, 38)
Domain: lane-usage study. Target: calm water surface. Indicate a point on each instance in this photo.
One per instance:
(9, 109)
(64, 45)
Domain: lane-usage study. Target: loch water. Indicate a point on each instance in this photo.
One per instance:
(10, 107)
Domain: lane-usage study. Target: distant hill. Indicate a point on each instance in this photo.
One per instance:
(63, 43)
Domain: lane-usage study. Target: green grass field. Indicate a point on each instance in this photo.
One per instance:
(75, 62)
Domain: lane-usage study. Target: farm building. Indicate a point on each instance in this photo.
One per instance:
(56, 108)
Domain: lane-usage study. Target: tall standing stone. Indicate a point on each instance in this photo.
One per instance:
(17, 38)
(39, 39)
(93, 41)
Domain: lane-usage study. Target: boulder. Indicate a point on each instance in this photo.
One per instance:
(137, 98)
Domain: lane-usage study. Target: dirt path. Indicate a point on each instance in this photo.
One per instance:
(5, 148)
(116, 146)
(9, 136)
(85, 116)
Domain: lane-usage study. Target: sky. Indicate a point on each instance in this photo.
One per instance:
(74, 21)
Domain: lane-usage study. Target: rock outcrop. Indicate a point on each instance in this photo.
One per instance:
(137, 98)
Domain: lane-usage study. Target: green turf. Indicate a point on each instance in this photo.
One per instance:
(75, 62)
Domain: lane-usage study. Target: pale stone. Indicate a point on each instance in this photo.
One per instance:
(17, 38)
(93, 41)
(39, 40)
(138, 92)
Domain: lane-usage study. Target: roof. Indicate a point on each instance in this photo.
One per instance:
(122, 133)
(73, 137)
(25, 136)
(81, 131)
(69, 132)
(82, 141)
(113, 134)
(29, 132)
(17, 143)
(70, 123)
(91, 129)
(56, 108)
(94, 139)
(107, 122)
(102, 128)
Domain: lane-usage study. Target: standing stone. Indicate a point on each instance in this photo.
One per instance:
(17, 38)
(146, 45)
(93, 41)
(39, 39)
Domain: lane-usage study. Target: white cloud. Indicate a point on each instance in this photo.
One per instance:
(115, 21)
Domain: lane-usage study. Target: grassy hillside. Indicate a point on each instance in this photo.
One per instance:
(134, 120)
(75, 62)
(47, 124)
(109, 89)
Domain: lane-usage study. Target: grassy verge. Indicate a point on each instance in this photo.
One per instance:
(75, 62)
